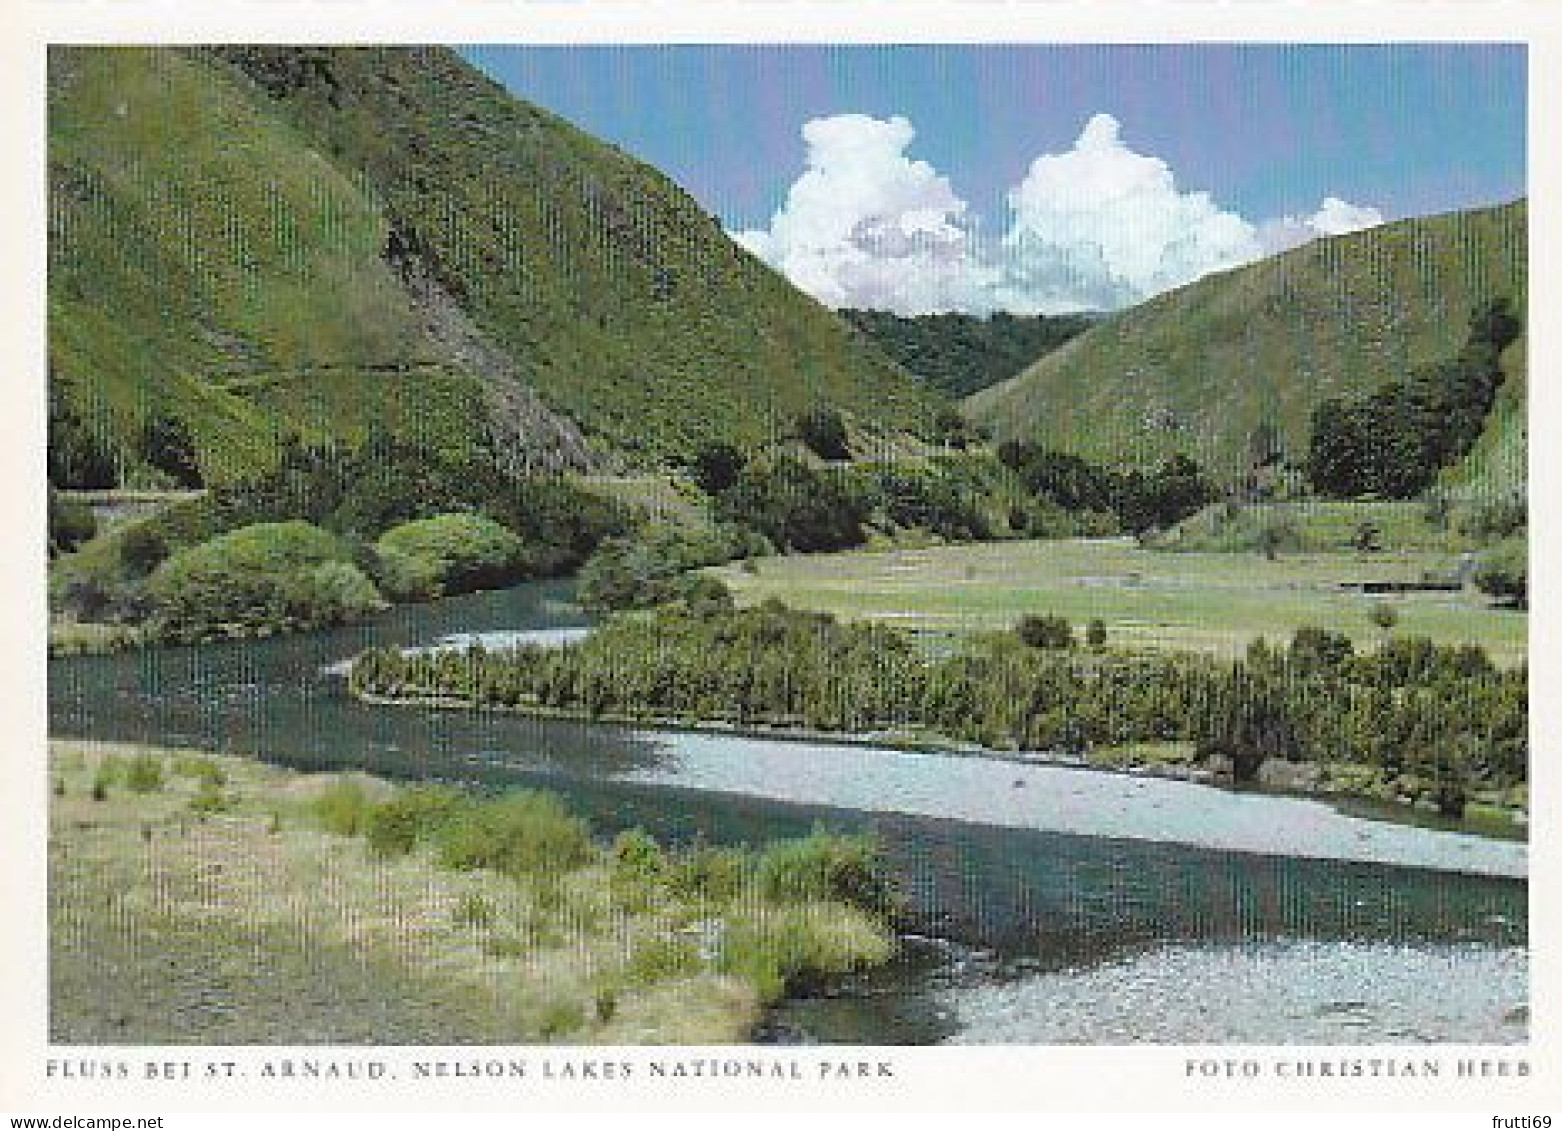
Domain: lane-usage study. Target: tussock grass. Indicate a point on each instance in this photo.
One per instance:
(260, 919)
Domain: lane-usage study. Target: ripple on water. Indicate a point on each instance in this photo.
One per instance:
(1268, 993)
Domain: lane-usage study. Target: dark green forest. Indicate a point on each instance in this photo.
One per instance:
(959, 354)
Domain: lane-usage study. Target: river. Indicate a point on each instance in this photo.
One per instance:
(1057, 905)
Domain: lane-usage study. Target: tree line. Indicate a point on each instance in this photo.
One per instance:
(1441, 718)
(958, 354)
(1394, 441)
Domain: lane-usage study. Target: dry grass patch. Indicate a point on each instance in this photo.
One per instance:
(252, 921)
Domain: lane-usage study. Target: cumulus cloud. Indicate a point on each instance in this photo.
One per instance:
(1115, 222)
(867, 226)
(1096, 227)
(1335, 217)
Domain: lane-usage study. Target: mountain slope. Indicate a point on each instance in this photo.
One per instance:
(261, 240)
(1200, 368)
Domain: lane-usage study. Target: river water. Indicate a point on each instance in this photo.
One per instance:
(1056, 905)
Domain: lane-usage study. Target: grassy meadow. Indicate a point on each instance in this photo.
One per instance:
(1212, 602)
(217, 900)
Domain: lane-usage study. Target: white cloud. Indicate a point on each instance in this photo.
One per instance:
(1098, 226)
(1335, 217)
(867, 226)
(1115, 221)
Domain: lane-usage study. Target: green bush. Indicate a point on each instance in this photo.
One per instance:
(657, 959)
(1045, 632)
(342, 808)
(520, 833)
(449, 553)
(144, 774)
(1095, 633)
(110, 773)
(709, 875)
(637, 855)
(1384, 615)
(71, 522)
(795, 506)
(266, 577)
(417, 813)
(210, 798)
(200, 768)
(1318, 649)
(779, 947)
(825, 867)
(653, 567)
(1503, 572)
(823, 432)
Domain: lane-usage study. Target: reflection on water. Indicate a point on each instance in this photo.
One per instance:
(1053, 894)
(271, 699)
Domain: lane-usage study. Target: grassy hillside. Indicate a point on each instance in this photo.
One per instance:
(313, 239)
(1199, 368)
(1496, 466)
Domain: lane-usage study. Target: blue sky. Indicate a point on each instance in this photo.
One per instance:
(1268, 132)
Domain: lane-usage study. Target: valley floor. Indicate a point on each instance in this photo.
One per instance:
(1214, 602)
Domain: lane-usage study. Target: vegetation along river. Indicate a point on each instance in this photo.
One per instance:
(1057, 905)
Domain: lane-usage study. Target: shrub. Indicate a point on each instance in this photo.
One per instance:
(404, 578)
(449, 553)
(342, 808)
(1503, 572)
(560, 1018)
(166, 444)
(823, 432)
(778, 947)
(1045, 632)
(652, 568)
(715, 467)
(201, 769)
(144, 774)
(1315, 649)
(1499, 518)
(709, 874)
(1251, 724)
(795, 506)
(210, 798)
(268, 576)
(656, 958)
(71, 522)
(395, 826)
(1095, 633)
(331, 593)
(519, 833)
(636, 854)
(1275, 536)
(141, 549)
(825, 866)
(1384, 615)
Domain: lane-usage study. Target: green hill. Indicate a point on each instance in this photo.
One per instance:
(1198, 369)
(263, 240)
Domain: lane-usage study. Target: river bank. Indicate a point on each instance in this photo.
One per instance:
(1073, 870)
(1352, 787)
(197, 898)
